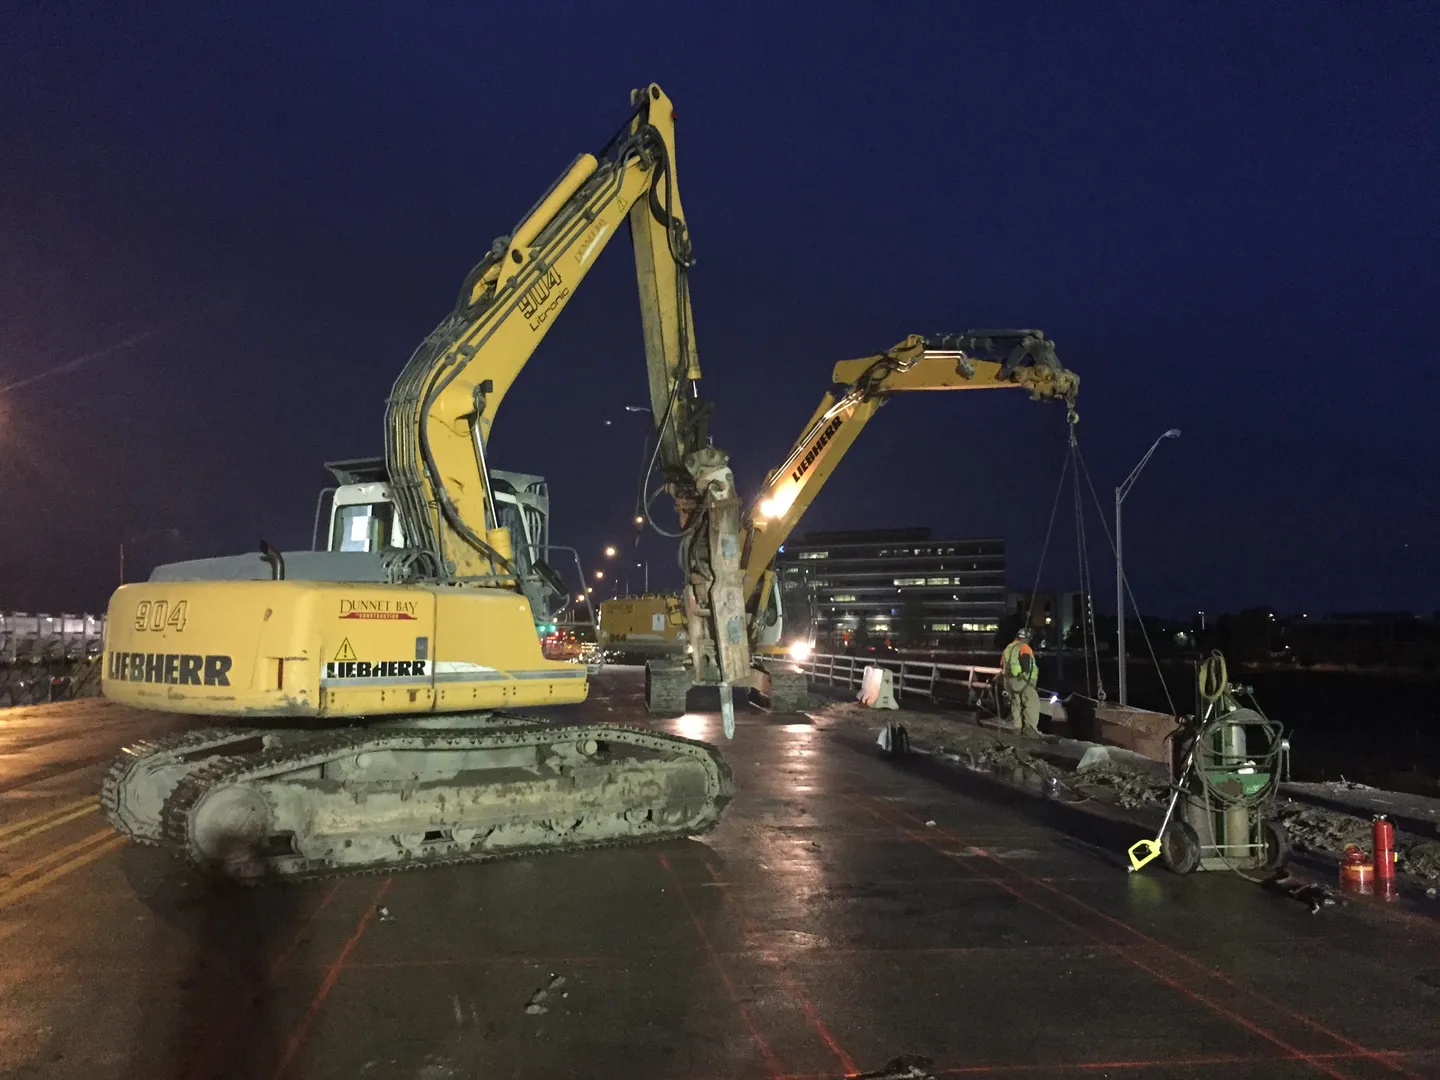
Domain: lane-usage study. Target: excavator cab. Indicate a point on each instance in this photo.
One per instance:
(787, 620)
(363, 518)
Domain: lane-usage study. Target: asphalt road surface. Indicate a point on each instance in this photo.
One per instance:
(846, 912)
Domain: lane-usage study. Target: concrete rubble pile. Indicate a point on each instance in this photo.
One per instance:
(1118, 778)
(1314, 828)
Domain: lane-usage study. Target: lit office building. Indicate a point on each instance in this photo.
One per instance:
(902, 586)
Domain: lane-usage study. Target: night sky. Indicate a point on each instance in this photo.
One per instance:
(1225, 217)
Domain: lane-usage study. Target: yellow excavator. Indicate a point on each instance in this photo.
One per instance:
(975, 360)
(641, 628)
(366, 689)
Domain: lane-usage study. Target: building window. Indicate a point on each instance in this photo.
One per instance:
(939, 626)
(937, 581)
(842, 597)
(814, 555)
(980, 627)
(911, 580)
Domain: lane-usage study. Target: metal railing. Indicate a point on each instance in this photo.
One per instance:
(969, 684)
(35, 638)
(975, 686)
(46, 658)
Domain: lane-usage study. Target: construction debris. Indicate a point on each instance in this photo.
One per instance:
(1120, 778)
(904, 1067)
(1313, 828)
(1316, 896)
(1131, 790)
(535, 1006)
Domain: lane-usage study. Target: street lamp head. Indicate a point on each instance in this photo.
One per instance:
(637, 408)
(1173, 433)
(610, 552)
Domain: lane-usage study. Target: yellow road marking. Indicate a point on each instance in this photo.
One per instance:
(59, 855)
(113, 844)
(84, 811)
(89, 802)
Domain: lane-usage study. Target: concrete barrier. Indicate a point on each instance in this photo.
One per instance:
(877, 688)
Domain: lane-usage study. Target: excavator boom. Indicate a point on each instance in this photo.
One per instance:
(976, 360)
(1027, 361)
(440, 413)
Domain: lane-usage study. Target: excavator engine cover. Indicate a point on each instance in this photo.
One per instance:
(327, 649)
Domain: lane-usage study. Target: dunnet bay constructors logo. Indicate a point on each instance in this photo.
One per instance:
(379, 610)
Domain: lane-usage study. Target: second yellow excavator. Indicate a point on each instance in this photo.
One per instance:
(975, 360)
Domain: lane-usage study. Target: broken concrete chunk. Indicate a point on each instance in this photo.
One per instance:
(534, 1007)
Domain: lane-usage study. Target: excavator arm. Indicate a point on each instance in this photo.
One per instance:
(441, 411)
(977, 360)
(443, 405)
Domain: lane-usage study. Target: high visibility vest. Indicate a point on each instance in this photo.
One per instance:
(1010, 660)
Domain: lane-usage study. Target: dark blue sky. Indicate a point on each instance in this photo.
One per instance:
(1225, 217)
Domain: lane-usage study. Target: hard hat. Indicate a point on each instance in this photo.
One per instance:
(1023, 634)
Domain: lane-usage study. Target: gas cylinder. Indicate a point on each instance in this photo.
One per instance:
(1384, 859)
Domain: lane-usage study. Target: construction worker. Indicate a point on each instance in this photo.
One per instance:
(1021, 670)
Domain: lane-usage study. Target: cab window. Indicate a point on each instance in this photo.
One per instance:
(363, 527)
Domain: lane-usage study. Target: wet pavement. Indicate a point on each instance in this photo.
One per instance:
(846, 912)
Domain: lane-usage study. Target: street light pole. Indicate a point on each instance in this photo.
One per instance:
(1120, 600)
(1120, 493)
(143, 536)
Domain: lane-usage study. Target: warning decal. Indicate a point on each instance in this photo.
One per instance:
(345, 652)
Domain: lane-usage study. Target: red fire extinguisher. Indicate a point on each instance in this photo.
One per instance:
(1384, 836)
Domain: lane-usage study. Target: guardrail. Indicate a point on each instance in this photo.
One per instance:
(26, 638)
(967, 683)
(45, 658)
(972, 685)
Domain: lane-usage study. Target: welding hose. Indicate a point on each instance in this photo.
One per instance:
(1213, 677)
